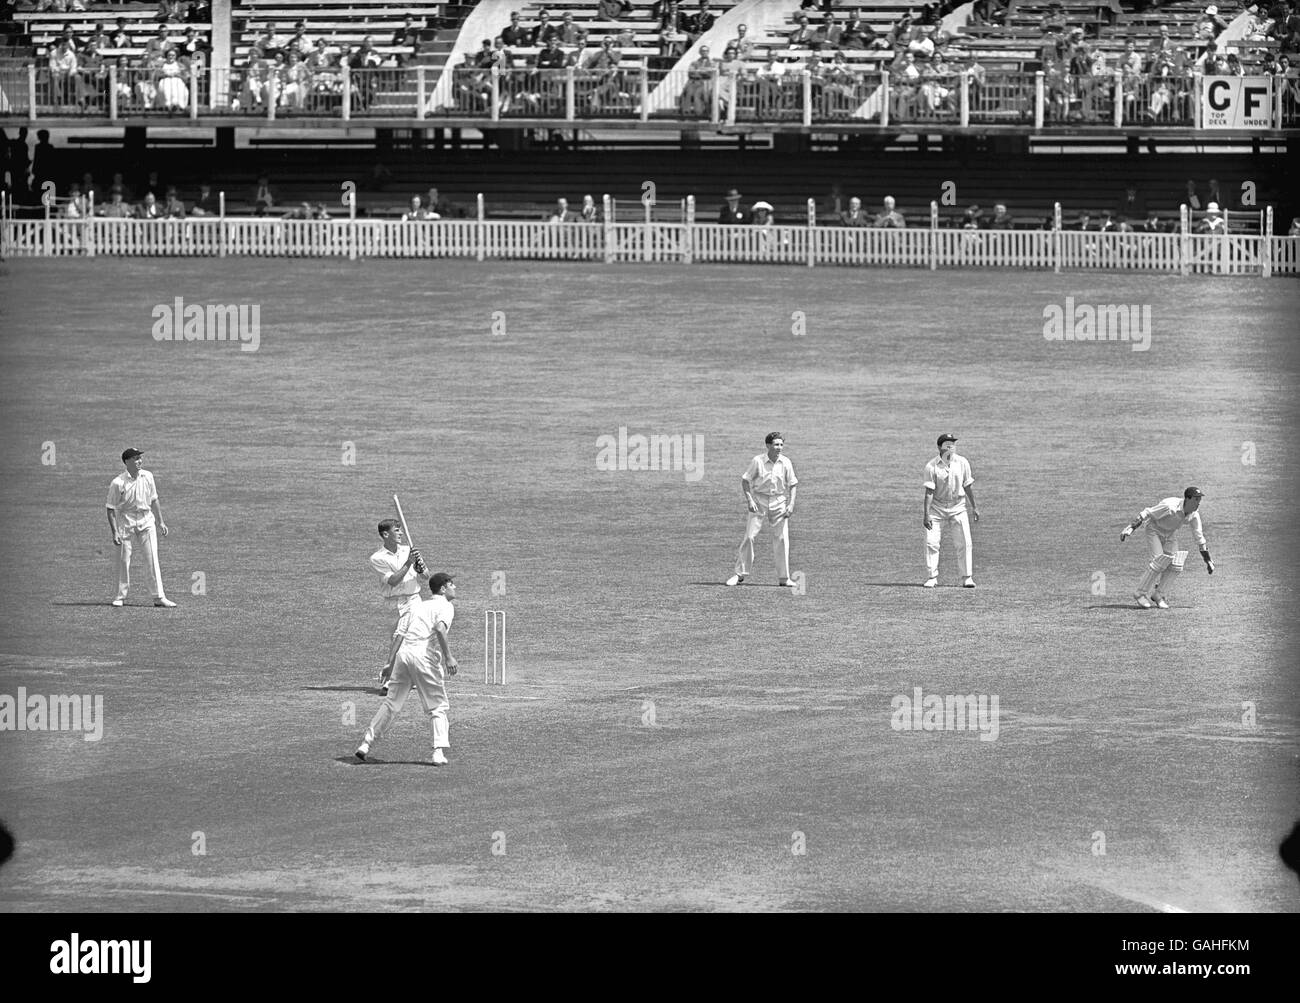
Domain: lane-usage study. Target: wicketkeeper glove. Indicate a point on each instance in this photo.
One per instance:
(1125, 533)
(1209, 564)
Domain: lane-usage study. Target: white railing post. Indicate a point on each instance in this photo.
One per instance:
(715, 106)
(89, 239)
(1040, 99)
(1118, 119)
(645, 90)
(807, 97)
(965, 98)
(884, 98)
(347, 92)
(569, 97)
(221, 225)
(353, 229)
(607, 219)
(31, 91)
(1056, 237)
(1266, 248)
(934, 235)
(272, 95)
(1278, 92)
(735, 96)
(812, 232)
(495, 95)
(48, 228)
(1184, 239)
(194, 90)
(112, 93)
(419, 92)
(688, 243)
(1197, 81)
(648, 249)
(481, 228)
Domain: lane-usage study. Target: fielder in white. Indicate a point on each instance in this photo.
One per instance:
(769, 487)
(423, 663)
(1162, 520)
(948, 487)
(133, 507)
(400, 568)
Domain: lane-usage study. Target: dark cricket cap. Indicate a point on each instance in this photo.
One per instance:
(438, 581)
(128, 454)
(733, 194)
(1193, 493)
(946, 437)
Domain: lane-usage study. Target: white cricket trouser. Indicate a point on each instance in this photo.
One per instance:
(148, 539)
(1160, 546)
(958, 525)
(771, 509)
(415, 669)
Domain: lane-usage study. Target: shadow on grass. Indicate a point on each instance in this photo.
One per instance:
(744, 585)
(101, 602)
(1131, 607)
(346, 689)
(351, 760)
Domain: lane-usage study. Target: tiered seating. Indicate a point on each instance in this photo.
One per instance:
(41, 29)
(342, 23)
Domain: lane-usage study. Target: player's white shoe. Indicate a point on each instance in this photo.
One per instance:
(734, 580)
(439, 758)
(930, 583)
(1160, 601)
(117, 602)
(1142, 600)
(164, 602)
(363, 750)
(787, 583)
(969, 583)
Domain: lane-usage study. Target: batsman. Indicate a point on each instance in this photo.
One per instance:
(1162, 520)
(400, 569)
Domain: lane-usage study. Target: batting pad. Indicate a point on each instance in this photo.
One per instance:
(1171, 573)
(1156, 570)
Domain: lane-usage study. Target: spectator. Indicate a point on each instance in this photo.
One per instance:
(973, 218)
(1152, 223)
(121, 37)
(295, 82)
(263, 196)
(1294, 231)
(1161, 45)
(91, 79)
(1001, 220)
(731, 212)
(63, 70)
(614, 10)
(1212, 192)
(854, 216)
(515, 35)
(172, 93)
(173, 208)
(742, 43)
(826, 36)
(435, 203)
(771, 89)
(100, 39)
(890, 217)
(148, 209)
(672, 38)
(1213, 221)
(853, 34)
(300, 43)
(115, 208)
(569, 33)
(75, 206)
(206, 204)
(200, 12)
(1209, 25)
(561, 213)
(697, 96)
(1132, 205)
(544, 31)
(761, 214)
(589, 213)
(159, 44)
(701, 21)
(169, 10)
(416, 213)
(1083, 224)
(1190, 197)
(407, 35)
(603, 67)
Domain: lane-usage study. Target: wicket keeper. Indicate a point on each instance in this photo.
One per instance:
(1162, 520)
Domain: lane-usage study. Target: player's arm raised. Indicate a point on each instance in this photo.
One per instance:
(398, 576)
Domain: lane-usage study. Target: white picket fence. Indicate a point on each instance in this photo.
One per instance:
(652, 241)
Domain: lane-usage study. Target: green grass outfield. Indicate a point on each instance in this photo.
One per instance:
(235, 715)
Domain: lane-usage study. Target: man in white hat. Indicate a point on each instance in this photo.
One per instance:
(1213, 221)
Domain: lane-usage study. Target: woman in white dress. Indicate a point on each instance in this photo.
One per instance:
(173, 94)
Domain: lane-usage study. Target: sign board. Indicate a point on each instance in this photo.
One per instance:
(1237, 103)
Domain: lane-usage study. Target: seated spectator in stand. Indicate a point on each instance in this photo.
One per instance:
(67, 35)
(75, 207)
(200, 12)
(672, 34)
(435, 203)
(697, 96)
(698, 23)
(1108, 11)
(589, 213)
(973, 218)
(561, 212)
(853, 35)
(263, 196)
(802, 35)
(853, 215)
(731, 211)
(826, 37)
(170, 10)
(299, 42)
(1213, 221)
(173, 207)
(160, 42)
(121, 38)
(1083, 223)
(63, 71)
(742, 43)
(149, 208)
(416, 213)
(515, 35)
(100, 39)
(608, 79)
(890, 217)
(1053, 22)
(1191, 198)
(206, 204)
(295, 82)
(761, 214)
(407, 36)
(1209, 25)
(923, 46)
(1294, 231)
(115, 207)
(569, 33)
(1152, 223)
(614, 10)
(1162, 44)
(1001, 219)
(92, 78)
(544, 31)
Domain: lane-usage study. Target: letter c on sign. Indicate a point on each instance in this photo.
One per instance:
(1217, 103)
